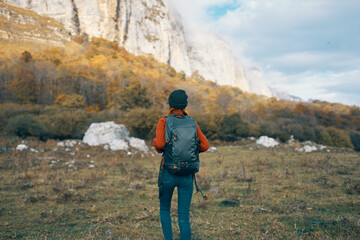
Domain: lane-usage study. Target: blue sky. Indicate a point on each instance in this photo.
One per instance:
(309, 48)
(216, 11)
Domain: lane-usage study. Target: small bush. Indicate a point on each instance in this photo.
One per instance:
(27, 125)
(339, 138)
(142, 122)
(208, 125)
(69, 124)
(355, 140)
(233, 127)
(132, 96)
(10, 110)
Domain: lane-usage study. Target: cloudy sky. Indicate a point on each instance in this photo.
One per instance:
(309, 48)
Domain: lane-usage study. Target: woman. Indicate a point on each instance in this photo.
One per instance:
(177, 104)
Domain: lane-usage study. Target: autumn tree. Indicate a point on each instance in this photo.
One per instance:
(142, 122)
(233, 127)
(339, 138)
(133, 95)
(22, 88)
(26, 56)
(208, 124)
(224, 99)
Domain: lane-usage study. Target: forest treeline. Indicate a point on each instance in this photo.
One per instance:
(58, 92)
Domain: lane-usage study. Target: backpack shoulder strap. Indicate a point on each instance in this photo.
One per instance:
(198, 189)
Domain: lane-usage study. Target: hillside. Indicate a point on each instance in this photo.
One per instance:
(152, 27)
(57, 92)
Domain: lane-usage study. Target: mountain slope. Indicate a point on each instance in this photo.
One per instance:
(20, 24)
(150, 27)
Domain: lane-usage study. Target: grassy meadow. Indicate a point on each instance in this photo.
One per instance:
(254, 193)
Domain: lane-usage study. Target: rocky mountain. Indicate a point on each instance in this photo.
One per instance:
(151, 27)
(20, 24)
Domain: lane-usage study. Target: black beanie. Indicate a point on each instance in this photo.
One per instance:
(178, 99)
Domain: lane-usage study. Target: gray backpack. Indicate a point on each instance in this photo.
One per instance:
(181, 155)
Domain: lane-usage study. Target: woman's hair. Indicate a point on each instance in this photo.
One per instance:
(171, 109)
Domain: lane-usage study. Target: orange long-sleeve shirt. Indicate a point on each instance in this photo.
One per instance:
(159, 140)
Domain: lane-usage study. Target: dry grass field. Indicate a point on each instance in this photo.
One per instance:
(253, 194)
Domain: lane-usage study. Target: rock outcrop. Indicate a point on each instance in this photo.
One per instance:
(151, 27)
(113, 136)
(142, 27)
(20, 24)
(211, 56)
(267, 141)
(103, 133)
(22, 147)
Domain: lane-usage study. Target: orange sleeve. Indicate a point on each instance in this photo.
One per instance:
(159, 140)
(204, 144)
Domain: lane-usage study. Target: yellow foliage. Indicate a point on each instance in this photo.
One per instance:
(99, 61)
(93, 108)
(70, 101)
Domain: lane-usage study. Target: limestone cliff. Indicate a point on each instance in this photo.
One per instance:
(20, 24)
(149, 27)
(212, 58)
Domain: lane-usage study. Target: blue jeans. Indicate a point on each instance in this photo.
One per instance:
(184, 186)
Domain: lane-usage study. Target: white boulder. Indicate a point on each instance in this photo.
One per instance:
(267, 141)
(309, 146)
(22, 147)
(306, 149)
(138, 144)
(103, 133)
(292, 140)
(118, 144)
(113, 136)
(211, 149)
(67, 143)
(322, 147)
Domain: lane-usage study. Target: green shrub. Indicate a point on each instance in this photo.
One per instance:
(142, 122)
(355, 140)
(69, 124)
(27, 125)
(254, 130)
(233, 127)
(132, 96)
(9, 110)
(322, 136)
(282, 135)
(208, 125)
(339, 138)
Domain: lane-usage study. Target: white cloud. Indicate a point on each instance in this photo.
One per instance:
(313, 44)
(305, 61)
(329, 86)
